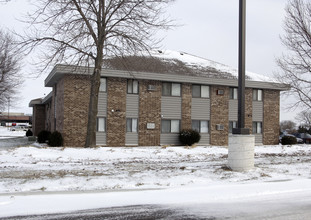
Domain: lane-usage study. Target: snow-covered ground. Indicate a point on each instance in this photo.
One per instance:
(39, 168)
(32, 175)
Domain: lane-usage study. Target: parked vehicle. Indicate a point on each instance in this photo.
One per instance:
(299, 140)
(305, 137)
(18, 128)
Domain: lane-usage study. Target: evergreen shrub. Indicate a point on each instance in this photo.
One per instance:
(189, 137)
(288, 140)
(43, 136)
(29, 133)
(56, 139)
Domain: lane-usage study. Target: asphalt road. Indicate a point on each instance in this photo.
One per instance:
(276, 209)
(14, 142)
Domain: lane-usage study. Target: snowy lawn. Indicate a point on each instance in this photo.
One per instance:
(39, 168)
(5, 133)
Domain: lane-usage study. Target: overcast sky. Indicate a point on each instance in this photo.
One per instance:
(209, 30)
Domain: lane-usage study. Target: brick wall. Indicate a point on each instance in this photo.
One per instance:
(116, 111)
(48, 116)
(249, 109)
(186, 106)
(219, 115)
(38, 121)
(76, 94)
(60, 103)
(271, 121)
(149, 112)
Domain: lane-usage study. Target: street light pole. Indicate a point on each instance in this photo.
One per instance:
(241, 94)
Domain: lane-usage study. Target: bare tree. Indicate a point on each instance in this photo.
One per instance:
(9, 69)
(296, 64)
(304, 118)
(288, 126)
(87, 31)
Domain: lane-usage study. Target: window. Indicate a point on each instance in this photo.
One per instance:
(132, 86)
(257, 127)
(103, 85)
(171, 89)
(200, 91)
(200, 126)
(170, 126)
(101, 124)
(232, 124)
(233, 93)
(257, 95)
(131, 125)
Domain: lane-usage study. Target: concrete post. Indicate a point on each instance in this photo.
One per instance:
(241, 152)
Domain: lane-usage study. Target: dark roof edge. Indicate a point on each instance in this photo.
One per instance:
(60, 70)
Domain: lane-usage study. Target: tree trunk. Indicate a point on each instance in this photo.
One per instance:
(93, 109)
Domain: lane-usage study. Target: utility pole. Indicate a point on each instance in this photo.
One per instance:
(241, 89)
(9, 111)
(241, 144)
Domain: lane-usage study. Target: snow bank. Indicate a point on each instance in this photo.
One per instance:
(33, 169)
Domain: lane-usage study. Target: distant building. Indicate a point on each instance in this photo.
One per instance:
(146, 101)
(9, 118)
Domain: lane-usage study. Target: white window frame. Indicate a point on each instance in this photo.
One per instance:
(257, 127)
(101, 127)
(257, 95)
(131, 125)
(202, 89)
(232, 124)
(132, 86)
(174, 89)
(233, 93)
(103, 85)
(173, 128)
(201, 122)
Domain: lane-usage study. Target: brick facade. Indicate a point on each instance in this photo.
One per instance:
(116, 111)
(186, 106)
(271, 99)
(219, 115)
(71, 100)
(75, 97)
(38, 119)
(249, 109)
(149, 112)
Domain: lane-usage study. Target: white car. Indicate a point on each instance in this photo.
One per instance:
(18, 128)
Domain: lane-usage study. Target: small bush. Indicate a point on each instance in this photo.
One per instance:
(43, 136)
(29, 133)
(288, 140)
(189, 137)
(56, 139)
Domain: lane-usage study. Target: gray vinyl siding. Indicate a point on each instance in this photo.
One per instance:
(169, 139)
(132, 111)
(132, 106)
(131, 139)
(258, 139)
(102, 104)
(257, 111)
(100, 138)
(205, 139)
(102, 111)
(233, 110)
(200, 109)
(171, 107)
(60, 70)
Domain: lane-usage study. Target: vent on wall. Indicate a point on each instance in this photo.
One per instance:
(220, 92)
(219, 127)
(151, 87)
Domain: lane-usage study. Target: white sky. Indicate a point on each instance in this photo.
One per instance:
(209, 29)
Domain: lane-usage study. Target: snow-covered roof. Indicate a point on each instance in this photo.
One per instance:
(168, 61)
